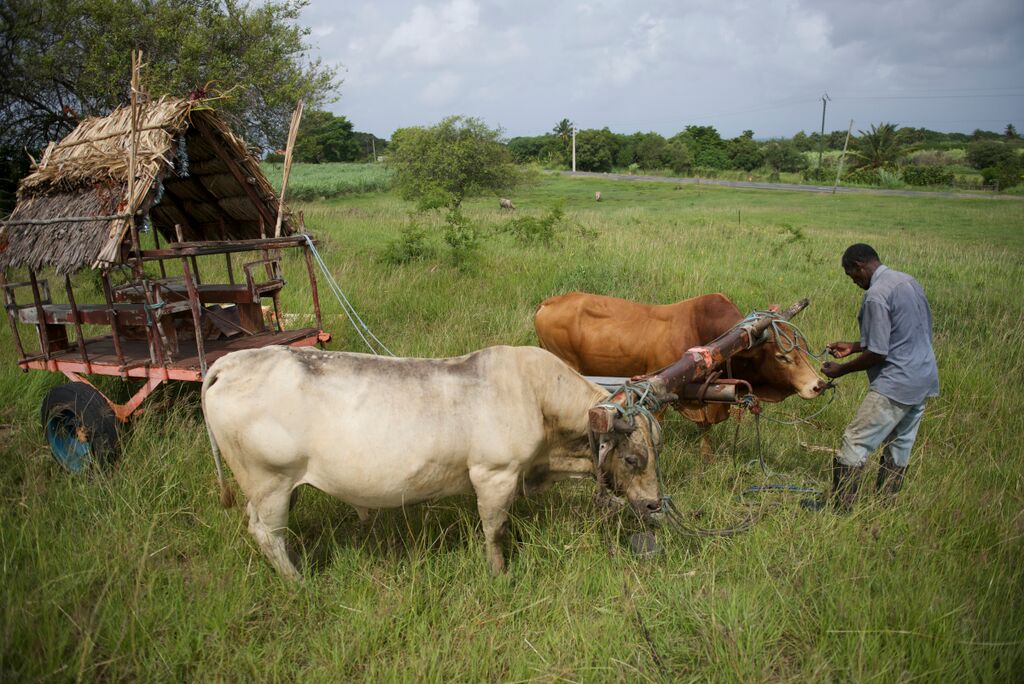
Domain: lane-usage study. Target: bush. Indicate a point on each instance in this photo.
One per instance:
(412, 246)
(927, 175)
(1005, 175)
(530, 229)
(863, 176)
(984, 154)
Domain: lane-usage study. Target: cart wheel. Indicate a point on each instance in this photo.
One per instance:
(79, 425)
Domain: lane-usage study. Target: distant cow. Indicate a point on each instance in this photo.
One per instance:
(381, 432)
(506, 203)
(598, 335)
(597, 196)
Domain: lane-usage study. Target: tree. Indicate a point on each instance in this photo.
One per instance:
(744, 153)
(457, 158)
(983, 154)
(1011, 132)
(595, 149)
(652, 151)
(563, 129)
(324, 137)
(878, 148)
(67, 59)
(706, 146)
(783, 155)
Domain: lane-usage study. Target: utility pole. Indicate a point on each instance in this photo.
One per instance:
(825, 99)
(846, 144)
(574, 149)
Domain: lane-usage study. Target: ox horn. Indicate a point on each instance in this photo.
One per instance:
(602, 419)
(623, 425)
(795, 309)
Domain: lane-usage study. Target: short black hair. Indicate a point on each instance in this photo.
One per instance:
(859, 254)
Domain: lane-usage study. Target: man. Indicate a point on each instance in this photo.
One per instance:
(895, 349)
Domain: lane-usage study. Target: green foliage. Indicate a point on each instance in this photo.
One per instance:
(877, 148)
(927, 175)
(782, 155)
(744, 153)
(864, 175)
(1004, 175)
(323, 181)
(547, 148)
(678, 157)
(66, 59)
(457, 158)
(461, 236)
(412, 245)
(705, 145)
(983, 154)
(595, 149)
(324, 137)
(532, 229)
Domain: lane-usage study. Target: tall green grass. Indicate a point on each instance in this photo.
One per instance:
(137, 574)
(307, 182)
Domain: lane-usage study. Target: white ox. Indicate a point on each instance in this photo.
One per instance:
(381, 432)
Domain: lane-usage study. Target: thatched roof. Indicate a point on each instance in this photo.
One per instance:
(191, 171)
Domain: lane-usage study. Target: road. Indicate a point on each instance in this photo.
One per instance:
(824, 189)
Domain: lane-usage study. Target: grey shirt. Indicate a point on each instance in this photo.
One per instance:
(896, 322)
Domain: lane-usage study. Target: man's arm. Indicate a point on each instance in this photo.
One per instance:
(866, 360)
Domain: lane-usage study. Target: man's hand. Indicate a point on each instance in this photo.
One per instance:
(832, 370)
(841, 349)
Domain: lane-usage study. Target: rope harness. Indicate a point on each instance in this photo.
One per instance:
(346, 306)
(639, 399)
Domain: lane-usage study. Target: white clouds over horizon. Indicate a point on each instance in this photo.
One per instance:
(662, 64)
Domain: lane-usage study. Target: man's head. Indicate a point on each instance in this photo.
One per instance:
(860, 262)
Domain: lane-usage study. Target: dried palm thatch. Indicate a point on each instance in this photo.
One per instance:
(191, 171)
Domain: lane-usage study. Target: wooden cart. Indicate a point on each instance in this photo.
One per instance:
(209, 284)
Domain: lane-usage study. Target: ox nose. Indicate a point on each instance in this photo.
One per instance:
(652, 506)
(820, 386)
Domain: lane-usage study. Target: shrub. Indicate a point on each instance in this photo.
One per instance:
(927, 175)
(412, 246)
(983, 154)
(863, 176)
(1005, 175)
(530, 229)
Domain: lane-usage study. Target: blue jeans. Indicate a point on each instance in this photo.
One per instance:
(881, 421)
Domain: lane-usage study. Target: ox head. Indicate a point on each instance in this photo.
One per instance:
(625, 453)
(781, 366)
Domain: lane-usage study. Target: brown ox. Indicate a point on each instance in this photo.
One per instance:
(598, 335)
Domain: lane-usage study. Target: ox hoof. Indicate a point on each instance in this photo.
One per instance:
(644, 545)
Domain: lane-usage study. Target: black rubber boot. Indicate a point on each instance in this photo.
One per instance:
(890, 480)
(845, 482)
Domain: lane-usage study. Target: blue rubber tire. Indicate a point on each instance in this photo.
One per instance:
(79, 426)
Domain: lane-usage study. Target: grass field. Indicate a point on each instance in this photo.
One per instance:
(138, 574)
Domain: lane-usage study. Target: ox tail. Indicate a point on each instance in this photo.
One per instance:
(227, 496)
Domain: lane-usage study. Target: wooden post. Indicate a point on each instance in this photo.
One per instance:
(197, 319)
(293, 131)
(11, 305)
(44, 342)
(112, 317)
(312, 285)
(77, 319)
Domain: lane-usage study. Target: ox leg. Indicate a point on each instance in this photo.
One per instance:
(268, 520)
(494, 494)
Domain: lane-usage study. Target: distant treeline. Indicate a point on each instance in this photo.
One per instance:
(701, 147)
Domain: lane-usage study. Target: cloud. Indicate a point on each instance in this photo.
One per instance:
(431, 37)
(442, 90)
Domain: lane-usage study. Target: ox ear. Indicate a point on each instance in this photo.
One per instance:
(605, 446)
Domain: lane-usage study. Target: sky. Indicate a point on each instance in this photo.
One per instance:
(660, 65)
